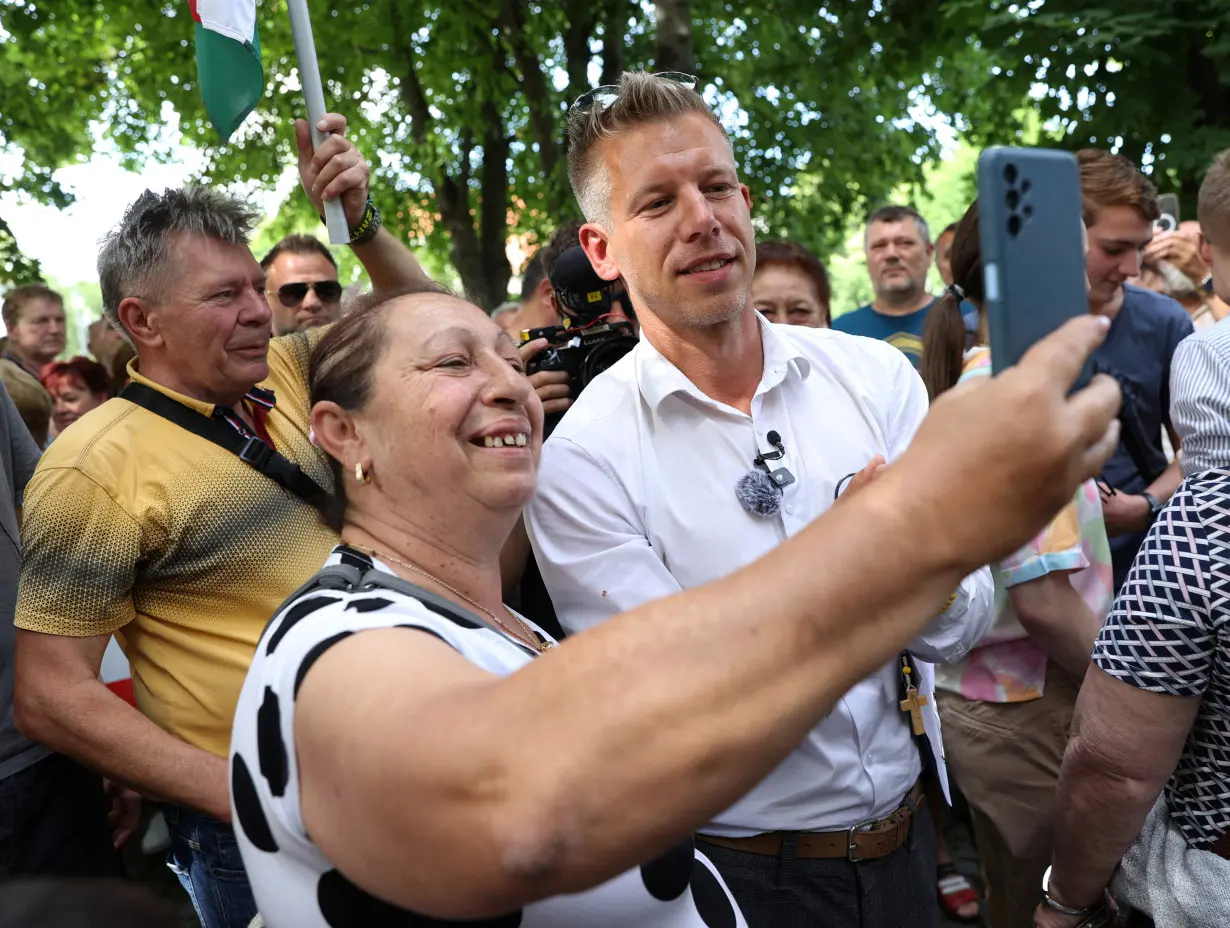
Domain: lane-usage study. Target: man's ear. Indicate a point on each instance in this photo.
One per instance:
(1206, 250)
(142, 325)
(597, 247)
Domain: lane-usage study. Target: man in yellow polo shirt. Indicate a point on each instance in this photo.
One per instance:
(137, 527)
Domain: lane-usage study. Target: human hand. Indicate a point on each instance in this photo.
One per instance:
(551, 386)
(335, 170)
(1006, 453)
(863, 477)
(123, 812)
(1125, 512)
(1178, 250)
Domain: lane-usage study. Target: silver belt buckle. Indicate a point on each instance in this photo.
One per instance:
(850, 845)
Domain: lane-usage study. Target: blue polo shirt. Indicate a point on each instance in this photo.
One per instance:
(902, 332)
(1137, 350)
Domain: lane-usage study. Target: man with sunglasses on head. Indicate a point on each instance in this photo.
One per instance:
(301, 284)
(717, 438)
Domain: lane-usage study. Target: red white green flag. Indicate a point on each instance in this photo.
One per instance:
(228, 61)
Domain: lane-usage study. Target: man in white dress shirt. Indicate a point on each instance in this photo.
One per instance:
(637, 496)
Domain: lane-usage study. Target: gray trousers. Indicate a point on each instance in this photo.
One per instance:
(897, 891)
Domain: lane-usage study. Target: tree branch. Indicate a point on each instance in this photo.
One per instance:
(533, 83)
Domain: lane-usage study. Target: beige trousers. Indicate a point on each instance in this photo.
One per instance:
(1005, 758)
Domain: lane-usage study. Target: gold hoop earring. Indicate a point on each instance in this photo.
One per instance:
(360, 475)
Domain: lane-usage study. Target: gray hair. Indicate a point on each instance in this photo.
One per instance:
(133, 260)
(891, 214)
(640, 98)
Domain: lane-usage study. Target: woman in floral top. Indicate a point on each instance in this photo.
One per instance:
(1007, 707)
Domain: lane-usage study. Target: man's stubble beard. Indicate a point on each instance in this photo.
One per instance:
(685, 317)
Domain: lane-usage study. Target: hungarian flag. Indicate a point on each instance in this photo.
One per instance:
(228, 61)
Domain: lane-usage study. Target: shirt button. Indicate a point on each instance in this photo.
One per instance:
(790, 510)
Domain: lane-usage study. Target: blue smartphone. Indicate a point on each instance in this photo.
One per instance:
(1033, 255)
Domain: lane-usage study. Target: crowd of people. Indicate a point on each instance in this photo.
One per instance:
(425, 631)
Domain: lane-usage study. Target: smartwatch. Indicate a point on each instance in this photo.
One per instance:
(1154, 506)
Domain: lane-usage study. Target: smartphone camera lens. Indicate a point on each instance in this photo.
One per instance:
(1013, 199)
(1025, 186)
(1028, 212)
(1014, 225)
(1010, 173)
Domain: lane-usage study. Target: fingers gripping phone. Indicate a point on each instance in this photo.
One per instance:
(1169, 220)
(1033, 248)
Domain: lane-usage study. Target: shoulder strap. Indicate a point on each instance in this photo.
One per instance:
(377, 578)
(253, 451)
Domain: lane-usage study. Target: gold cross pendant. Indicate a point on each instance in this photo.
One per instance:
(913, 704)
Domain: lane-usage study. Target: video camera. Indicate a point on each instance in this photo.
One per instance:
(588, 342)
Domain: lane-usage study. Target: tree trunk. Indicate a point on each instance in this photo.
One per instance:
(582, 17)
(673, 49)
(614, 22)
(493, 223)
(479, 270)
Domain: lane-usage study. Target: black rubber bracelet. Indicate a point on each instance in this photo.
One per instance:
(366, 230)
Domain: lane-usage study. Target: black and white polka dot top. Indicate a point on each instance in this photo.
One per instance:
(295, 884)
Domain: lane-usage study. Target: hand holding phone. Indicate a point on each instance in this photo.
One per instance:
(1033, 248)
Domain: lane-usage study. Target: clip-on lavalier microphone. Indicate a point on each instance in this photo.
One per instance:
(760, 490)
(780, 476)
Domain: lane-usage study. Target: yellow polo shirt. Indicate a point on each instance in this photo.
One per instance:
(138, 528)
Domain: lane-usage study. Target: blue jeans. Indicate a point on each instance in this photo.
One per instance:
(205, 857)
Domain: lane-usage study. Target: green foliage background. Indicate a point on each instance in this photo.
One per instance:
(835, 108)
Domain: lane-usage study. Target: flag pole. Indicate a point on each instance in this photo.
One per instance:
(314, 97)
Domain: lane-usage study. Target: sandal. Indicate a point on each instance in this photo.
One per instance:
(955, 890)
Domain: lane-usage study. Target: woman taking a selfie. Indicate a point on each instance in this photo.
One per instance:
(446, 758)
(1007, 708)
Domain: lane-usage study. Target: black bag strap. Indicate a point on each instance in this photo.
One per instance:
(350, 579)
(251, 450)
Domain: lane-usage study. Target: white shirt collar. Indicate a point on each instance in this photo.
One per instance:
(658, 378)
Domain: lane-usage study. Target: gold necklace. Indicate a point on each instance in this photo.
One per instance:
(529, 637)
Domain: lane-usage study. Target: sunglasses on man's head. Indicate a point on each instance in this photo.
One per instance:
(329, 291)
(603, 97)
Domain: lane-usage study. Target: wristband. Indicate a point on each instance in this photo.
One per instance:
(1051, 903)
(368, 226)
(1155, 505)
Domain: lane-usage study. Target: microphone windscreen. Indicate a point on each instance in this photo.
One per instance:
(758, 494)
(577, 285)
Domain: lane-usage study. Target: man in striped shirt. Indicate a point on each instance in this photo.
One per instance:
(1200, 371)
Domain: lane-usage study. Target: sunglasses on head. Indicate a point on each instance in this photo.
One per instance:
(603, 97)
(329, 291)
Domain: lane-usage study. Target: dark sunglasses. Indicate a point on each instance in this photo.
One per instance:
(329, 291)
(602, 97)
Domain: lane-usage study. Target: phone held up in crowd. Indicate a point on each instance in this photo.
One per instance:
(1033, 248)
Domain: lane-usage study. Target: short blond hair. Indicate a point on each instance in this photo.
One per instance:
(643, 98)
(1213, 206)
